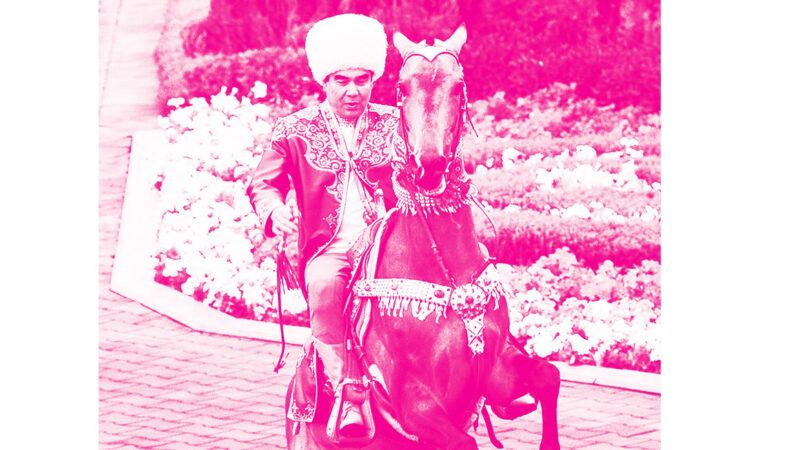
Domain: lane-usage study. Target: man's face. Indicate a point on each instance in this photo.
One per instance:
(348, 91)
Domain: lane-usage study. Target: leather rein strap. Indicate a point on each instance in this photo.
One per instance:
(287, 280)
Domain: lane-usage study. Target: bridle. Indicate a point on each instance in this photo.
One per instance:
(430, 53)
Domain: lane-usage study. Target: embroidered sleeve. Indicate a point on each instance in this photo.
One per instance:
(270, 183)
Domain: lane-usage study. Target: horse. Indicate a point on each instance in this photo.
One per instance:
(431, 280)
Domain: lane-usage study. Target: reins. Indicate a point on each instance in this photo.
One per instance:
(286, 280)
(465, 117)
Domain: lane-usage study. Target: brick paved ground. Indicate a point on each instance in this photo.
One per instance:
(165, 386)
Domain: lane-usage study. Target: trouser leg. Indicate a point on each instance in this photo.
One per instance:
(326, 281)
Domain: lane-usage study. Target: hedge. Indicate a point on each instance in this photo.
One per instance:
(535, 44)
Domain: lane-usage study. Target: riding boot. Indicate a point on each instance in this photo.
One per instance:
(352, 423)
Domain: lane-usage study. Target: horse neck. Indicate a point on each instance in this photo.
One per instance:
(455, 237)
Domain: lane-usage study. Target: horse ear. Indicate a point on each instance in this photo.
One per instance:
(401, 42)
(457, 39)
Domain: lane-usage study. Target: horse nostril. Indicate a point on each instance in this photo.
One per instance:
(435, 163)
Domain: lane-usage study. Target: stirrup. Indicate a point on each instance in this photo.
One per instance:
(357, 394)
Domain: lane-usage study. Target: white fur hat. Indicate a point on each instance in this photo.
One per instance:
(346, 41)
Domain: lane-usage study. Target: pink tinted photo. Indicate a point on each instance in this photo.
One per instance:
(380, 225)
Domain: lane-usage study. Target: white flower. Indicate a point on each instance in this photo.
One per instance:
(585, 152)
(533, 296)
(599, 311)
(544, 343)
(635, 154)
(609, 215)
(649, 214)
(533, 321)
(261, 111)
(172, 267)
(199, 103)
(223, 102)
(182, 117)
(579, 344)
(291, 300)
(176, 102)
(254, 295)
(511, 155)
(611, 155)
(189, 286)
(259, 90)
(544, 177)
(578, 210)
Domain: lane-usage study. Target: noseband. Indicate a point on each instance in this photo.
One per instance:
(430, 53)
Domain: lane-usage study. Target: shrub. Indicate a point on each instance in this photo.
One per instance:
(612, 56)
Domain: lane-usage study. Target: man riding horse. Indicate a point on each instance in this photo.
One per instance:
(337, 156)
(432, 333)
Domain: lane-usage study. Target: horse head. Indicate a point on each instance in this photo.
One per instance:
(432, 99)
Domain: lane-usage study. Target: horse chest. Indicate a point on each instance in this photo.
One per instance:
(409, 299)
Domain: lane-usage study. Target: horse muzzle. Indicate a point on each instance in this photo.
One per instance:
(430, 184)
(430, 175)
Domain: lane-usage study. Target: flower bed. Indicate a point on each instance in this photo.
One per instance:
(553, 120)
(597, 302)
(532, 185)
(210, 244)
(607, 317)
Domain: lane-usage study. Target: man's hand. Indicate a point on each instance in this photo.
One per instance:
(284, 218)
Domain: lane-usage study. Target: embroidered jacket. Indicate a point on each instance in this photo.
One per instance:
(307, 148)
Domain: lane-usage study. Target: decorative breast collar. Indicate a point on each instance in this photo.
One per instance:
(422, 298)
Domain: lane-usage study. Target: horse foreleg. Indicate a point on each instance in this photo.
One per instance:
(544, 380)
(516, 374)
